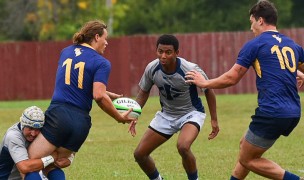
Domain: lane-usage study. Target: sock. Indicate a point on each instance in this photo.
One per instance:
(290, 176)
(233, 178)
(32, 176)
(155, 175)
(56, 174)
(192, 176)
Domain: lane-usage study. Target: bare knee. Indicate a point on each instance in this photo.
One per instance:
(183, 149)
(245, 163)
(139, 155)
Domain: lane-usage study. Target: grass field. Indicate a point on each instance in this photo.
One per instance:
(108, 150)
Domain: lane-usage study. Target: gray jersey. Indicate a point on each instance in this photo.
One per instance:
(13, 150)
(177, 98)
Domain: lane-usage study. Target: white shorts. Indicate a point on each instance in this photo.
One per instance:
(168, 125)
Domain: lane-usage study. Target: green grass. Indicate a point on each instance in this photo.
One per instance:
(108, 150)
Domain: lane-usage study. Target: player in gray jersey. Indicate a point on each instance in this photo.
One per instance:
(182, 109)
(14, 159)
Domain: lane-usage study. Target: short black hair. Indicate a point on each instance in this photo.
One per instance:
(168, 39)
(266, 10)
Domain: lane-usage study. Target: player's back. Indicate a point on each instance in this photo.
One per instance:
(276, 57)
(78, 67)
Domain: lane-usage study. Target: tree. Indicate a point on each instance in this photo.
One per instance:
(60, 19)
(297, 12)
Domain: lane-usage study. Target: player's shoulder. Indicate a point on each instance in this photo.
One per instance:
(183, 61)
(185, 64)
(154, 64)
(13, 134)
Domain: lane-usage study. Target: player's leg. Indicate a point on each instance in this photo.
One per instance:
(250, 158)
(252, 149)
(159, 131)
(54, 172)
(189, 125)
(239, 171)
(40, 147)
(149, 142)
(187, 135)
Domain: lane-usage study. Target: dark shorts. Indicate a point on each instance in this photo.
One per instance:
(272, 128)
(66, 126)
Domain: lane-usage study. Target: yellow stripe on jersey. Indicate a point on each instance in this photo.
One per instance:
(257, 67)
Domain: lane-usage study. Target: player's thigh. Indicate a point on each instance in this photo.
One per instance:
(191, 125)
(187, 135)
(40, 147)
(249, 151)
(63, 152)
(149, 142)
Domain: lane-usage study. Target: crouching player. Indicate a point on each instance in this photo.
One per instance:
(14, 159)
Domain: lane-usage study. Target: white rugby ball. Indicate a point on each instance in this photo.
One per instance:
(124, 104)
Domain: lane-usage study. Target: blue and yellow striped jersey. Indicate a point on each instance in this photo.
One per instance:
(275, 58)
(78, 68)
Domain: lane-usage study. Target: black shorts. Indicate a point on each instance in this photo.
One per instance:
(272, 128)
(66, 126)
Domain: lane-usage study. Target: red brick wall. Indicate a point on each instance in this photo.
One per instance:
(28, 69)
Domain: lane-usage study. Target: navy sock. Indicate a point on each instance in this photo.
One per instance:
(192, 176)
(154, 175)
(233, 178)
(32, 176)
(56, 174)
(290, 176)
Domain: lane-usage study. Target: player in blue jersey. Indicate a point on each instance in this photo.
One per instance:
(182, 109)
(82, 76)
(14, 160)
(276, 60)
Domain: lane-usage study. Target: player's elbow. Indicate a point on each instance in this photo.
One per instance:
(98, 97)
(100, 100)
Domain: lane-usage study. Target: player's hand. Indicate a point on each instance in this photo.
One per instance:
(194, 77)
(114, 95)
(62, 162)
(125, 118)
(132, 129)
(215, 129)
(54, 155)
(300, 82)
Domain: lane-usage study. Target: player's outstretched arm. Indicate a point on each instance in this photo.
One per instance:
(211, 101)
(229, 78)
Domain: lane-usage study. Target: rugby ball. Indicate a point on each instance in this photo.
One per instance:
(124, 104)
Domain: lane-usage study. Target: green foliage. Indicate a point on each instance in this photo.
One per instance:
(108, 151)
(297, 12)
(59, 19)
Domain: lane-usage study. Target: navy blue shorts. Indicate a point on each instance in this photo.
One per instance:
(272, 128)
(66, 126)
